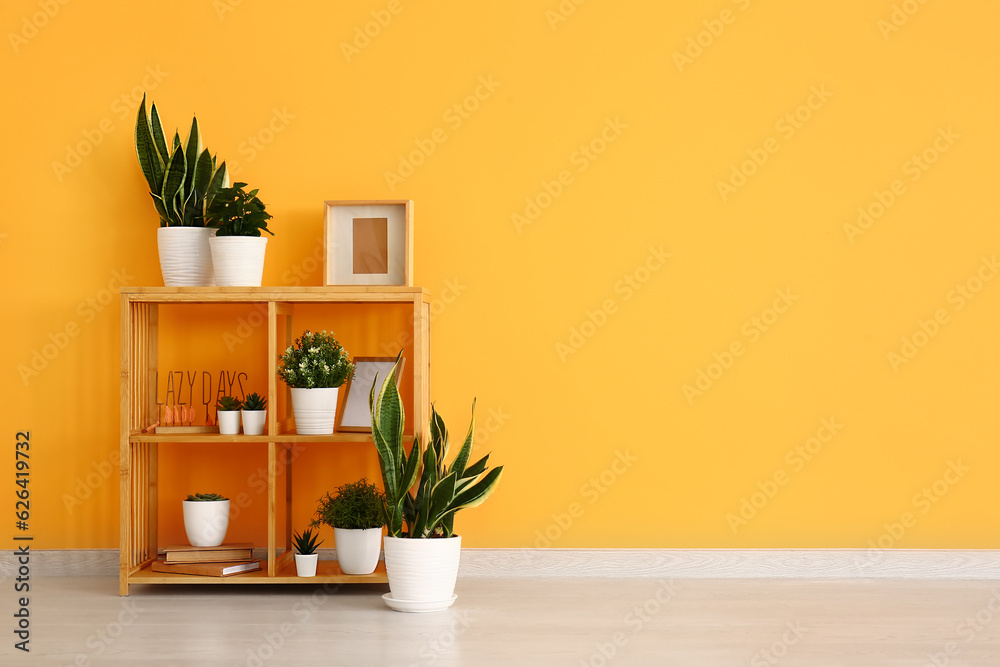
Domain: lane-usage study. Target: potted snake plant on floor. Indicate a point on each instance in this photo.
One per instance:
(183, 180)
(238, 248)
(423, 494)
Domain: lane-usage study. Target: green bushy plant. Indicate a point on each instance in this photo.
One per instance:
(183, 178)
(441, 489)
(357, 505)
(236, 212)
(315, 360)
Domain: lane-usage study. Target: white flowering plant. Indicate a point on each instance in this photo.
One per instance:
(316, 360)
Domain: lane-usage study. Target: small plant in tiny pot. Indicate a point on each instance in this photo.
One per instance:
(306, 557)
(314, 368)
(229, 415)
(238, 249)
(356, 515)
(206, 519)
(254, 414)
(424, 493)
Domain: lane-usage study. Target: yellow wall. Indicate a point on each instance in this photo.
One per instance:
(566, 322)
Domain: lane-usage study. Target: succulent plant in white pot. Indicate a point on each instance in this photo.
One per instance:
(423, 494)
(206, 519)
(356, 514)
(183, 179)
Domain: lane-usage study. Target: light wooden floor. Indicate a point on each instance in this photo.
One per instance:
(551, 622)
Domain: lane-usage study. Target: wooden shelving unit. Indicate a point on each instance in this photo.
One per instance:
(139, 450)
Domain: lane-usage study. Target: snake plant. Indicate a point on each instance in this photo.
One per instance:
(183, 178)
(443, 489)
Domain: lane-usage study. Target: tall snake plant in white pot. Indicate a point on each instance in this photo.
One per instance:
(423, 494)
(182, 179)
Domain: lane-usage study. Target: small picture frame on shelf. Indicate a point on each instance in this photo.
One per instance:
(368, 242)
(353, 415)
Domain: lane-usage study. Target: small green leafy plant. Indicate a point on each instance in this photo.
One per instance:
(305, 543)
(236, 212)
(206, 497)
(357, 506)
(254, 401)
(315, 360)
(441, 490)
(228, 404)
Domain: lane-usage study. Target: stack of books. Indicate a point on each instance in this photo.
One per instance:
(221, 561)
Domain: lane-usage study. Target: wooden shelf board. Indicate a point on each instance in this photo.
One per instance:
(246, 439)
(309, 294)
(327, 572)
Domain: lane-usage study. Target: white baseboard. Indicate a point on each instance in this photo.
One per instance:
(620, 563)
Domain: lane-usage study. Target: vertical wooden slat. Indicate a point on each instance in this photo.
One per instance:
(272, 497)
(124, 414)
(152, 364)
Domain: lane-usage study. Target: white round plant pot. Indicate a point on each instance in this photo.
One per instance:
(358, 549)
(422, 572)
(305, 565)
(253, 422)
(315, 410)
(206, 522)
(229, 422)
(238, 260)
(185, 256)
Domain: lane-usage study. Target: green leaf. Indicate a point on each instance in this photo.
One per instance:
(476, 468)
(458, 465)
(159, 138)
(193, 150)
(478, 493)
(145, 150)
(173, 182)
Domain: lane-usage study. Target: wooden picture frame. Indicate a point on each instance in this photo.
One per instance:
(368, 242)
(353, 413)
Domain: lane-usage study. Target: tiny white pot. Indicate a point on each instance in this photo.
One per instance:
(238, 260)
(253, 422)
(305, 566)
(185, 256)
(315, 410)
(206, 522)
(358, 550)
(423, 571)
(229, 422)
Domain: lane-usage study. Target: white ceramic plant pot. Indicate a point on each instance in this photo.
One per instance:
(305, 566)
(238, 260)
(229, 422)
(357, 550)
(253, 422)
(185, 256)
(315, 410)
(206, 522)
(423, 571)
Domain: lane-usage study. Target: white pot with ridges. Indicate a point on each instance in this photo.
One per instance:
(185, 256)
